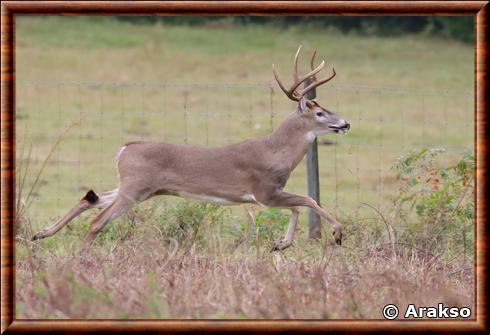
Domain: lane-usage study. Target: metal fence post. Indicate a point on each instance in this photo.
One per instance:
(313, 179)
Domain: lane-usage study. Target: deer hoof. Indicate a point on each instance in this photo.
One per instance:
(37, 236)
(337, 233)
(281, 245)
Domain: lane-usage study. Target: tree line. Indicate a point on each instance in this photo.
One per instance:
(453, 27)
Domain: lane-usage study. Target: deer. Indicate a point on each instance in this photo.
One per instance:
(254, 171)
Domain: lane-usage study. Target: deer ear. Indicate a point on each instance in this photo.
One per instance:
(302, 105)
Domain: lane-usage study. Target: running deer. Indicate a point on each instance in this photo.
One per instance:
(253, 171)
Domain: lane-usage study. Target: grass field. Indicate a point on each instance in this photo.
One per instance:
(111, 82)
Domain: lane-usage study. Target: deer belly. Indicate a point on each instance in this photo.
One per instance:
(208, 198)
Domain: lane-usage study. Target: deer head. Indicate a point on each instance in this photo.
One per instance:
(319, 119)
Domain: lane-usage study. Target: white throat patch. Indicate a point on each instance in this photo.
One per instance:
(310, 136)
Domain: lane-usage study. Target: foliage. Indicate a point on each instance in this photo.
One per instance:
(441, 198)
(270, 223)
(456, 27)
(184, 221)
(460, 29)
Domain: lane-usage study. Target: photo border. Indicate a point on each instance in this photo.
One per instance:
(11, 9)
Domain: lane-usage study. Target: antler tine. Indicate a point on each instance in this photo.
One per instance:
(312, 61)
(287, 92)
(295, 74)
(317, 83)
(306, 76)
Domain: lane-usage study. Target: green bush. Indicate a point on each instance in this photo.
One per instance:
(435, 205)
(270, 223)
(189, 223)
(270, 226)
(460, 29)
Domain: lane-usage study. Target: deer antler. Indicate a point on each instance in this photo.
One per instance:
(315, 82)
(292, 92)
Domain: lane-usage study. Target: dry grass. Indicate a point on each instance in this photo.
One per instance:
(147, 275)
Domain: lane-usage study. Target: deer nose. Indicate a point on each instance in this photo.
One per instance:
(347, 125)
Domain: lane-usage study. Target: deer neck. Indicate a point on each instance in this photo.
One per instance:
(290, 140)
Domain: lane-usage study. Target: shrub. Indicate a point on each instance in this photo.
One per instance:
(270, 222)
(187, 221)
(434, 204)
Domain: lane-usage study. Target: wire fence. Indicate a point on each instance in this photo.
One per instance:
(386, 122)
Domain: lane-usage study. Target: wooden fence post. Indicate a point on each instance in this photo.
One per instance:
(313, 179)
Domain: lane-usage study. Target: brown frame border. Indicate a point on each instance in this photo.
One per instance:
(9, 9)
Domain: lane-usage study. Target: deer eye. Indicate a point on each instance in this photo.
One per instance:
(319, 114)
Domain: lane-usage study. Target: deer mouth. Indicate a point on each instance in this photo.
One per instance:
(339, 130)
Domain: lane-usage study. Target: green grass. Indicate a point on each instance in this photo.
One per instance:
(104, 49)
(57, 59)
(385, 123)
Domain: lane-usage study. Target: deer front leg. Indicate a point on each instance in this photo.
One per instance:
(288, 239)
(289, 200)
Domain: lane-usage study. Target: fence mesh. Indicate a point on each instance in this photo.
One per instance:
(385, 123)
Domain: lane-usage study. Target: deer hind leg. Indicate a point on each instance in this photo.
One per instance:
(289, 200)
(119, 206)
(89, 201)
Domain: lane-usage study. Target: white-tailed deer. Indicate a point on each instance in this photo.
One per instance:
(252, 171)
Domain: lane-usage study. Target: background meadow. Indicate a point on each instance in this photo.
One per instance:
(401, 180)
